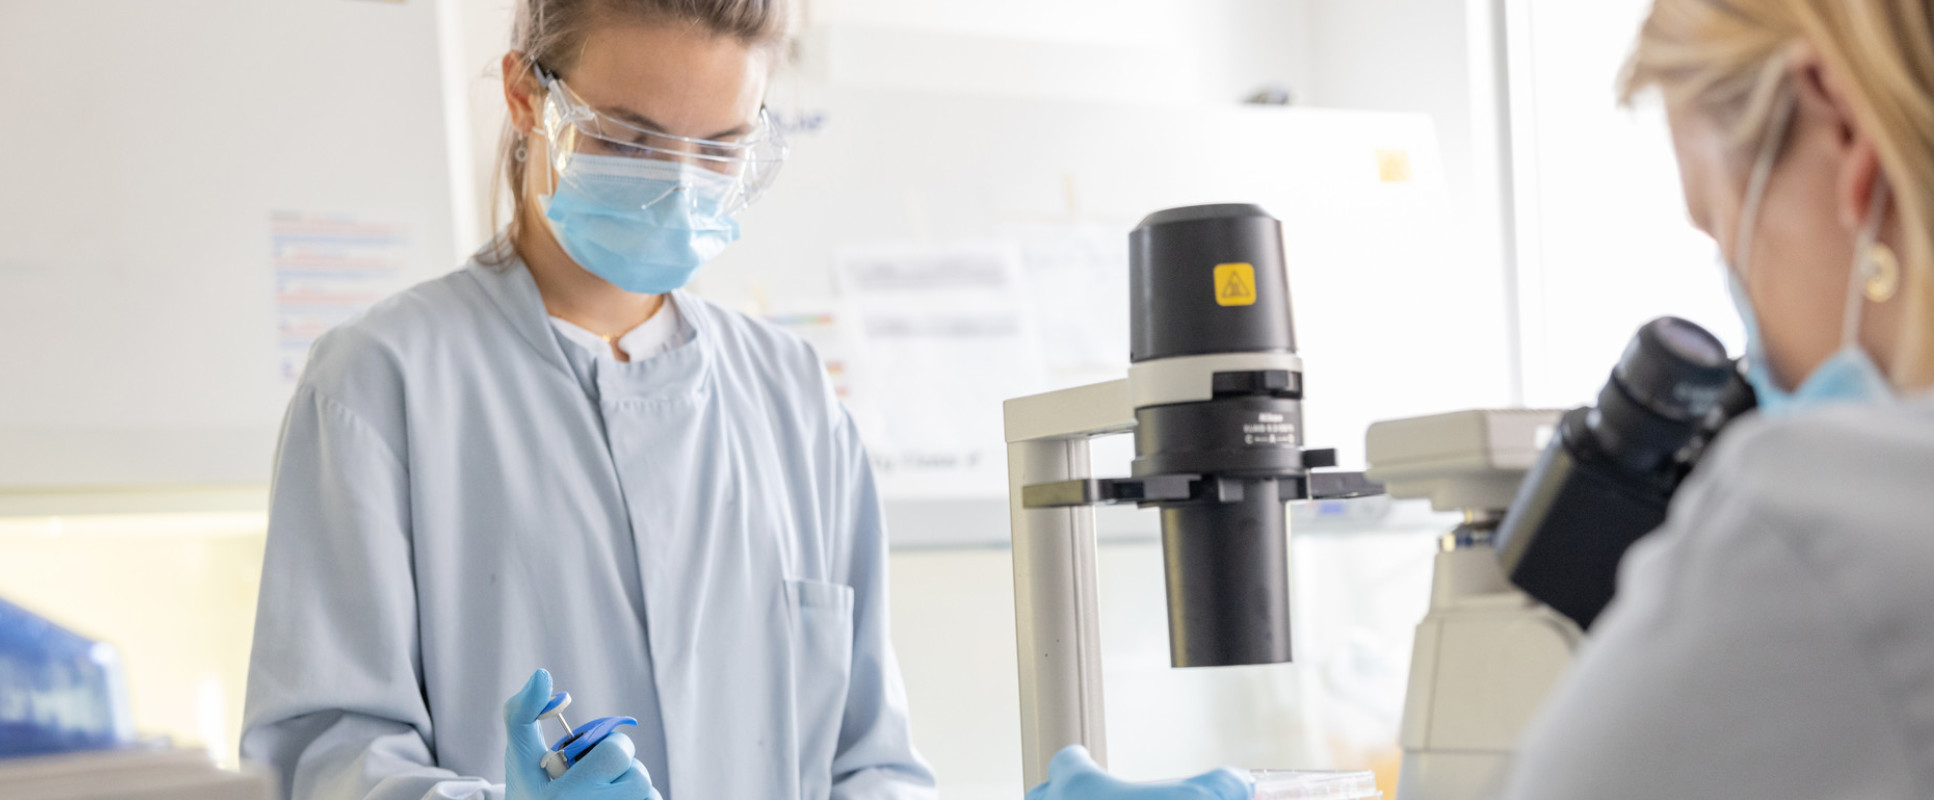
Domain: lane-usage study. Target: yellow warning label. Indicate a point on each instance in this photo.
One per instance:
(1235, 285)
(1393, 166)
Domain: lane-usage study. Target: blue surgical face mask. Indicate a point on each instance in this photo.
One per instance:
(646, 225)
(1847, 376)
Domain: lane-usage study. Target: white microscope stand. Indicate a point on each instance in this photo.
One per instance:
(1485, 657)
(1486, 653)
(1056, 618)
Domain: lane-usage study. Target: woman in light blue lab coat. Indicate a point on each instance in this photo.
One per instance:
(552, 457)
(1774, 639)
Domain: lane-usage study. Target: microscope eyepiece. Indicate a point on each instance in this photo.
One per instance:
(1674, 368)
(1606, 477)
(1671, 376)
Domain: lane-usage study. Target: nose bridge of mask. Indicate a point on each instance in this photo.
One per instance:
(644, 227)
(650, 184)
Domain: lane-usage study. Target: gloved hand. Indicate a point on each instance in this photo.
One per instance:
(1074, 776)
(607, 772)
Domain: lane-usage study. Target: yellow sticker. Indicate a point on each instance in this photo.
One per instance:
(1235, 285)
(1393, 166)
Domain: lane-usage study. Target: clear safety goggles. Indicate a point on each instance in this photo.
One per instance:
(573, 128)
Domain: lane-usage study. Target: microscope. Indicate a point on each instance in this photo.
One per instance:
(1551, 501)
(1213, 398)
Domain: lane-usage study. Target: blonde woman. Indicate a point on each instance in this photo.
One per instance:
(1775, 638)
(553, 457)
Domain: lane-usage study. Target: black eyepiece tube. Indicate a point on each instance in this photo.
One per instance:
(1228, 579)
(1608, 475)
(1669, 379)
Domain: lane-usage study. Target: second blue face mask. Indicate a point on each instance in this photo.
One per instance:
(645, 225)
(1848, 376)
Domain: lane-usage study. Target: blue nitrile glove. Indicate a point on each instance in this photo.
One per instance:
(607, 772)
(1074, 776)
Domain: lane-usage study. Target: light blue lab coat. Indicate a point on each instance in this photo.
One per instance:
(693, 539)
(1774, 640)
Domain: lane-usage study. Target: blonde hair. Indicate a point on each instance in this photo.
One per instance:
(552, 33)
(1726, 59)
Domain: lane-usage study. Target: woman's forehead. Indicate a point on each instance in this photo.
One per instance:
(672, 75)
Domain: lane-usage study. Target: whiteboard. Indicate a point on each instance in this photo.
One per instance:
(145, 149)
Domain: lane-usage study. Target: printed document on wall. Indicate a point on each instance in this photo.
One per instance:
(329, 268)
(943, 335)
(1077, 279)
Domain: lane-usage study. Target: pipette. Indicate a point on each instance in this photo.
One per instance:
(575, 743)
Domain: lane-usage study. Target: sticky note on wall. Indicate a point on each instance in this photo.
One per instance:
(1393, 166)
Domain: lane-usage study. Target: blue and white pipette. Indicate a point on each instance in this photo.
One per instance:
(576, 742)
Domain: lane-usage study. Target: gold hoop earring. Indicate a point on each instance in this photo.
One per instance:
(1883, 273)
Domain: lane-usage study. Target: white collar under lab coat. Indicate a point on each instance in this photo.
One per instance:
(660, 333)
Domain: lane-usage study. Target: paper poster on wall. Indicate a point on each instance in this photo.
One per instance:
(329, 268)
(943, 336)
(1077, 281)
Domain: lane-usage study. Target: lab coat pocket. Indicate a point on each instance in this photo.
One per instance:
(822, 662)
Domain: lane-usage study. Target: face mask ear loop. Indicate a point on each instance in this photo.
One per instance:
(550, 163)
(1862, 262)
(1762, 174)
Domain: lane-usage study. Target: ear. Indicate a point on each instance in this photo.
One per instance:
(521, 94)
(1823, 95)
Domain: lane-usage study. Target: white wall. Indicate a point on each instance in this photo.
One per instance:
(156, 288)
(1175, 51)
(1148, 50)
(483, 36)
(1576, 199)
(1436, 57)
(1595, 240)
(1604, 240)
(1399, 55)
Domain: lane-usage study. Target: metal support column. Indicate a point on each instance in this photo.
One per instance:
(1056, 618)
